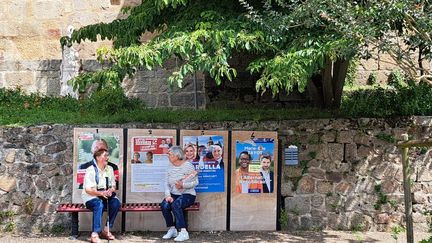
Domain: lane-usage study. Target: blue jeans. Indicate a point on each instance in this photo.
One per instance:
(176, 207)
(98, 205)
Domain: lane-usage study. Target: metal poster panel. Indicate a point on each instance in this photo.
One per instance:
(205, 152)
(83, 158)
(254, 166)
(84, 140)
(254, 188)
(149, 162)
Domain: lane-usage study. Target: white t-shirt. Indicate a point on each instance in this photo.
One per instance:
(90, 180)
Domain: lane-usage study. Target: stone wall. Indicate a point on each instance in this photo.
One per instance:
(31, 55)
(347, 166)
(30, 32)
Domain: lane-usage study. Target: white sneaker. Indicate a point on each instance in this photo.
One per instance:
(171, 233)
(182, 236)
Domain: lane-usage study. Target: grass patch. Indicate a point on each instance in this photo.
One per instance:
(111, 107)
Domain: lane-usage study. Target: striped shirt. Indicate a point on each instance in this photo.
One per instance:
(177, 173)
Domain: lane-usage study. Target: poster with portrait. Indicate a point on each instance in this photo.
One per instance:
(205, 152)
(254, 166)
(149, 162)
(253, 197)
(87, 140)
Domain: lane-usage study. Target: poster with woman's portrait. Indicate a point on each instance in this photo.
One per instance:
(149, 162)
(205, 152)
(254, 166)
(88, 141)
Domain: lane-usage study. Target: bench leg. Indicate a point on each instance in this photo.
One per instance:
(74, 228)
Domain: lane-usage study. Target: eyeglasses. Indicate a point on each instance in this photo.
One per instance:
(244, 159)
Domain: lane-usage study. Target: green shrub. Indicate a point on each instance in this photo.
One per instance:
(396, 79)
(372, 79)
(111, 101)
(380, 102)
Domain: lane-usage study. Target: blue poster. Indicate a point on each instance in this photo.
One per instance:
(205, 152)
(254, 166)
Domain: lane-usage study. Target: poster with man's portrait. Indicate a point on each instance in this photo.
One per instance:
(205, 152)
(254, 166)
(87, 141)
(149, 162)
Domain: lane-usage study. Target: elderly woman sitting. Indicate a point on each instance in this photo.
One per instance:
(181, 181)
(99, 193)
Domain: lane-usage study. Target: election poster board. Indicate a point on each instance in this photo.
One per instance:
(84, 140)
(147, 162)
(253, 180)
(208, 152)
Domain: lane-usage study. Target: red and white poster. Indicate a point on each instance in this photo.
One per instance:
(149, 162)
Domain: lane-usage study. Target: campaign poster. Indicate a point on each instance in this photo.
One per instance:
(149, 162)
(87, 140)
(254, 166)
(205, 152)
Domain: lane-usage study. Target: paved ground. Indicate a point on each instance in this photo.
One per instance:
(272, 236)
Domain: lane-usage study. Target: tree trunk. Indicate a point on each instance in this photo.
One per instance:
(325, 89)
(340, 70)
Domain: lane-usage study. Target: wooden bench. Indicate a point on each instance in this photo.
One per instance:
(75, 208)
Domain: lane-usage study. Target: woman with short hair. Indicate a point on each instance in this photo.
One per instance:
(181, 180)
(99, 193)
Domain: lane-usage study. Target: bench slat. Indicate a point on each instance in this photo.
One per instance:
(126, 207)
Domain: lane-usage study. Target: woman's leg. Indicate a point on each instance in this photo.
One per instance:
(178, 205)
(96, 205)
(166, 212)
(114, 207)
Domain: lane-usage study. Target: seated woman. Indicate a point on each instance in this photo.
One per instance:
(99, 193)
(180, 193)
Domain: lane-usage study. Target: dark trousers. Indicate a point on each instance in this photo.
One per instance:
(176, 207)
(98, 205)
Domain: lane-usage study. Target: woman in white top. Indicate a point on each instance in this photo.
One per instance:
(181, 180)
(99, 193)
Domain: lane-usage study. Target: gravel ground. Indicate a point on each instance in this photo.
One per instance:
(270, 236)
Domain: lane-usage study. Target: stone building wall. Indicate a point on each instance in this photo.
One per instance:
(347, 166)
(31, 55)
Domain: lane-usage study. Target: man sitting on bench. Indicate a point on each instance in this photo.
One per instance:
(99, 194)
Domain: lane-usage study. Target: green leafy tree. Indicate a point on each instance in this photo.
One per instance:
(297, 43)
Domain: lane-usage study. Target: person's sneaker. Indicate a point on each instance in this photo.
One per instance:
(182, 236)
(171, 233)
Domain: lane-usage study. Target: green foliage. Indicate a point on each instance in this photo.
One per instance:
(283, 220)
(304, 166)
(10, 227)
(57, 229)
(396, 79)
(423, 150)
(352, 72)
(290, 39)
(28, 205)
(312, 154)
(372, 79)
(382, 198)
(101, 109)
(396, 230)
(112, 101)
(7, 219)
(386, 137)
(358, 227)
(429, 240)
(6, 214)
(380, 102)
